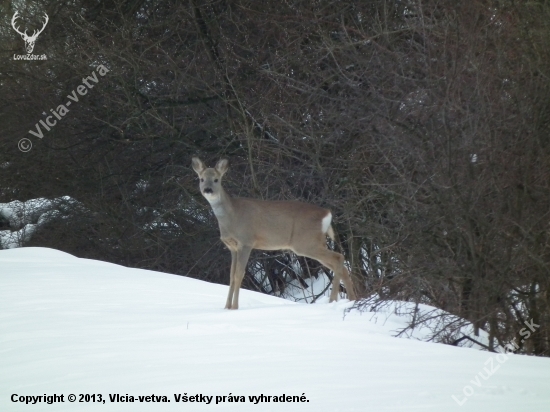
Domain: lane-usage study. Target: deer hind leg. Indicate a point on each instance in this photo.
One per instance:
(348, 284)
(335, 262)
(231, 280)
(240, 267)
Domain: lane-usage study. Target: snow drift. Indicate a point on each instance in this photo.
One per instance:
(122, 339)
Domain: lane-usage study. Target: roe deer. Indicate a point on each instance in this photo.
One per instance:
(247, 224)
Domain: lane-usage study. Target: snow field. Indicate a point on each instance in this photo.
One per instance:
(77, 326)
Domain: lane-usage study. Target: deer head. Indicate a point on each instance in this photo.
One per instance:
(29, 40)
(210, 178)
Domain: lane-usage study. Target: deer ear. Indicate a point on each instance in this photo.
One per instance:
(198, 165)
(222, 166)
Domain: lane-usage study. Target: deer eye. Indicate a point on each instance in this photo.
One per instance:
(215, 180)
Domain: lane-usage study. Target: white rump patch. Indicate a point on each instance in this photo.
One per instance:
(325, 223)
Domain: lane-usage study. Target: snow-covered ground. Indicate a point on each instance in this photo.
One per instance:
(23, 218)
(77, 326)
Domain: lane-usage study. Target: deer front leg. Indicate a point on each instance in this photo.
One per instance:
(242, 259)
(231, 280)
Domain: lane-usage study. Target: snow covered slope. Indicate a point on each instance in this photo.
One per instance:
(76, 326)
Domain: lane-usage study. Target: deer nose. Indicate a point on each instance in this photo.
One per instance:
(208, 190)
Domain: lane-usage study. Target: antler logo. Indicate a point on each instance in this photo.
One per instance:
(29, 40)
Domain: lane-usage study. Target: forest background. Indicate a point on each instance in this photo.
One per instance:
(424, 125)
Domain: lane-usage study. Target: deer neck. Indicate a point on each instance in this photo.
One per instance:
(222, 206)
